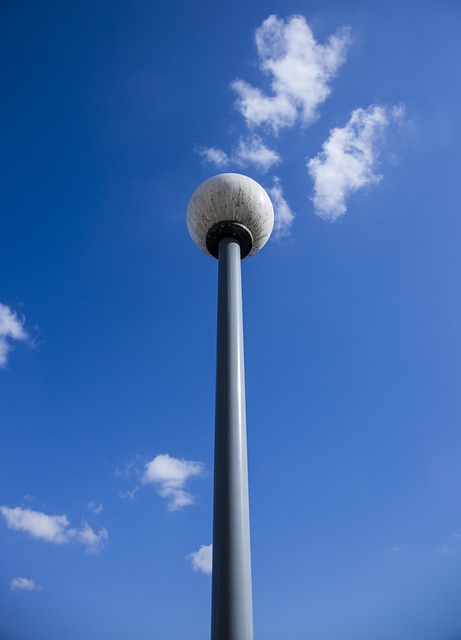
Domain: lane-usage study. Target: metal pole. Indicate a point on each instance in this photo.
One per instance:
(232, 609)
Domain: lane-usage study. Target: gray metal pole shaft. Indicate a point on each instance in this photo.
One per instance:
(232, 609)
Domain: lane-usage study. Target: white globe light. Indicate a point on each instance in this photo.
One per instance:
(230, 205)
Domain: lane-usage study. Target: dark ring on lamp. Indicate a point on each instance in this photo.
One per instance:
(229, 229)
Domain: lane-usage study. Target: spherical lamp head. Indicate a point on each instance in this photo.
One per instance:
(230, 205)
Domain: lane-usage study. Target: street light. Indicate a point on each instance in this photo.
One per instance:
(230, 217)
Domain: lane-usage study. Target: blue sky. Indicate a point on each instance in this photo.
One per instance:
(348, 114)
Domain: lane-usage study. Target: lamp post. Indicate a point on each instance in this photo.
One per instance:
(230, 217)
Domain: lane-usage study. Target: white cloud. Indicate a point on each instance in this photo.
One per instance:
(11, 327)
(54, 529)
(128, 494)
(85, 535)
(249, 151)
(347, 160)
(201, 560)
(170, 476)
(39, 525)
(213, 155)
(301, 71)
(95, 507)
(253, 151)
(283, 215)
(24, 584)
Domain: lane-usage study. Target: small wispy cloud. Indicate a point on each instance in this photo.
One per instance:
(451, 546)
(85, 535)
(348, 159)
(301, 71)
(213, 155)
(95, 507)
(202, 560)
(24, 584)
(283, 215)
(128, 494)
(11, 328)
(442, 549)
(55, 529)
(130, 469)
(130, 474)
(250, 150)
(170, 475)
